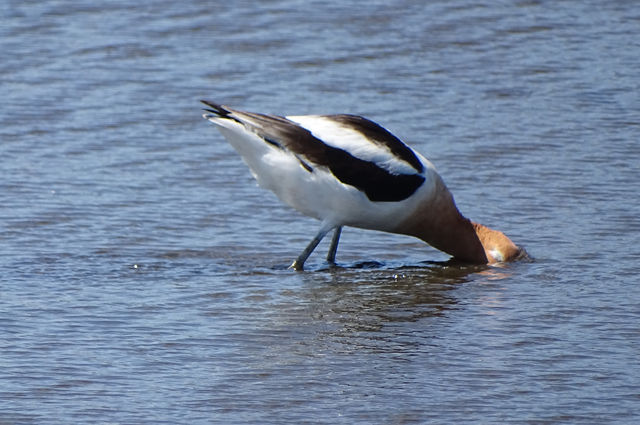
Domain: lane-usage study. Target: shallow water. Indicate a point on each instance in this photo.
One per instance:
(143, 274)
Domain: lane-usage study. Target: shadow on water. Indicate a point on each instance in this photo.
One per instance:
(378, 308)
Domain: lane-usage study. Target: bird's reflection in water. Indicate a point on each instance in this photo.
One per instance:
(375, 307)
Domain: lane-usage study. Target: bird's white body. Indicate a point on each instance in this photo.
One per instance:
(345, 170)
(320, 194)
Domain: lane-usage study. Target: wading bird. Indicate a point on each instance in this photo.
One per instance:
(346, 170)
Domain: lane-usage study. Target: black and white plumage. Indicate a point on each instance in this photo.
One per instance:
(343, 170)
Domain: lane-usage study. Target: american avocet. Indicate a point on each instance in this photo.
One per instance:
(346, 170)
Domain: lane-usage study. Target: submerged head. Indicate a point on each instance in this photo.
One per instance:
(497, 246)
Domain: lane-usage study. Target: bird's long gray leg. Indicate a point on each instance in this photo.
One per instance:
(298, 264)
(333, 248)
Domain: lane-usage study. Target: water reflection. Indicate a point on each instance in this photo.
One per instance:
(376, 309)
(350, 321)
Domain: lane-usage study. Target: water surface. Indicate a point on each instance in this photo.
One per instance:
(143, 273)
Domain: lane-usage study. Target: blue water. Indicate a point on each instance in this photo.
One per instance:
(143, 273)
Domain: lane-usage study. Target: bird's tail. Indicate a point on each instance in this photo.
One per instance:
(217, 110)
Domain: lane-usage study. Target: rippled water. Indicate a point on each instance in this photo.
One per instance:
(143, 274)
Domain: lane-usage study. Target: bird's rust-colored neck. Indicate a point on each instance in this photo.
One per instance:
(440, 224)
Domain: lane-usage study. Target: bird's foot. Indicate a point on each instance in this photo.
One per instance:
(297, 266)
